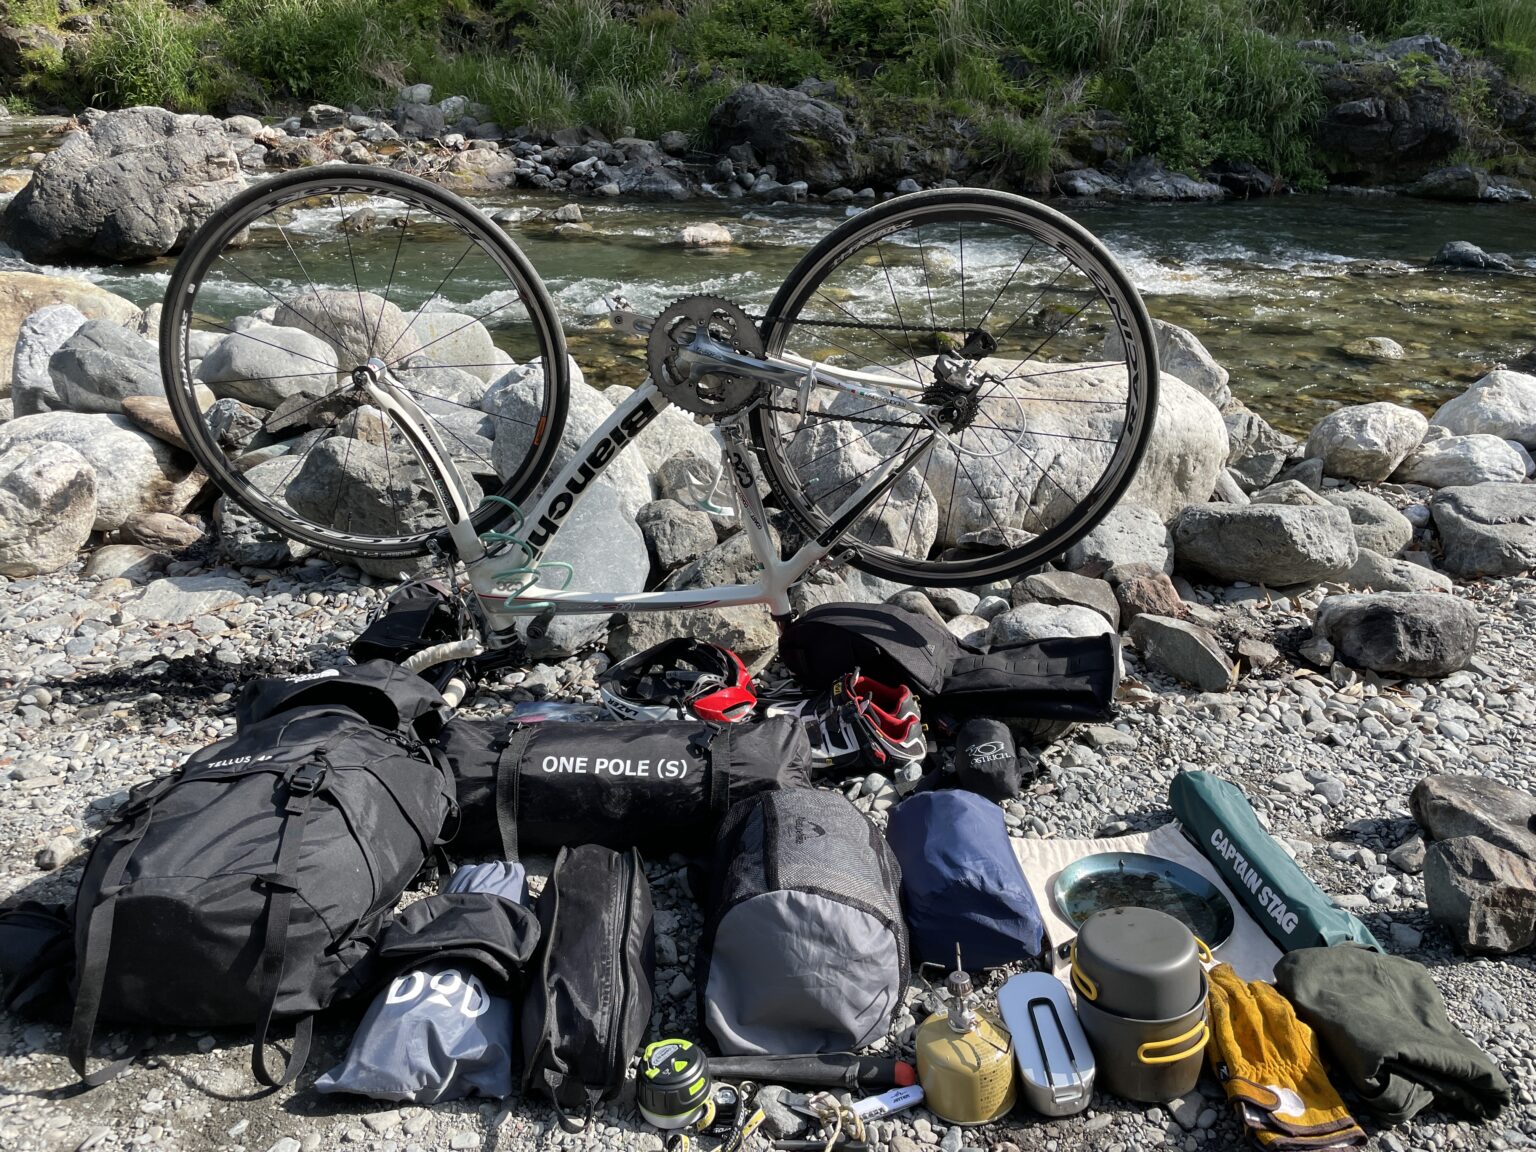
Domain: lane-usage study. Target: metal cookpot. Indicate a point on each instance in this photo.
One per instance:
(1138, 962)
(1152, 1061)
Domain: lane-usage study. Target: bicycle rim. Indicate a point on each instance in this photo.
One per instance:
(294, 283)
(1057, 343)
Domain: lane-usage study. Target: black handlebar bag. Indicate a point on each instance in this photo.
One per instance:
(660, 786)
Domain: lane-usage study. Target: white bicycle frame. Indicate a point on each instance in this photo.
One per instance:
(488, 569)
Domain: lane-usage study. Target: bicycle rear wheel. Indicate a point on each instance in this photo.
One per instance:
(292, 286)
(1036, 315)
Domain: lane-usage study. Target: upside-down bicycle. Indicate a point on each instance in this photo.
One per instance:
(951, 388)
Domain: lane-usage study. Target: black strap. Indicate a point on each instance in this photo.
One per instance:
(509, 774)
(553, 1082)
(282, 885)
(93, 964)
(718, 761)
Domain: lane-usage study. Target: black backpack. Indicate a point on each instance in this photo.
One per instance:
(250, 884)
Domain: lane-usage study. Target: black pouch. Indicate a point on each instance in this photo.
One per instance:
(886, 643)
(659, 786)
(1063, 678)
(590, 990)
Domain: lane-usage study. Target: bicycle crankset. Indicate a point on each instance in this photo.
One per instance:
(699, 388)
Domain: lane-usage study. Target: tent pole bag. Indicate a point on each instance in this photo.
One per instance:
(659, 786)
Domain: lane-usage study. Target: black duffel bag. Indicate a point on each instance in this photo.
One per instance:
(250, 885)
(660, 786)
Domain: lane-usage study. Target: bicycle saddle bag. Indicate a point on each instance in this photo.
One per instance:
(660, 786)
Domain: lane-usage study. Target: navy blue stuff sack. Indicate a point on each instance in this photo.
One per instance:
(961, 883)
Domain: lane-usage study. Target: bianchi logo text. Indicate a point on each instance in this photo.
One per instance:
(591, 467)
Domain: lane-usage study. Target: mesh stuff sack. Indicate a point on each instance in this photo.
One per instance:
(804, 948)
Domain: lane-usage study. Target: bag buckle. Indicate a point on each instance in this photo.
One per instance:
(305, 781)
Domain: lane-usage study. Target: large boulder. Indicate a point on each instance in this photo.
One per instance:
(41, 335)
(263, 365)
(354, 486)
(102, 365)
(1129, 534)
(1373, 572)
(1400, 633)
(607, 553)
(1372, 132)
(129, 185)
(671, 434)
(1180, 353)
(1487, 529)
(1447, 805)
(802, 137)
(1185, 651)
(832, 458)
(1457, 460)
(1021, 481)
(1366, 441)
(1030, 622)
(1256, 451)
(47, 507)
(1274, 544)
(356, 325)
(24, 293)
(1501, 404)
(513, 405)
(452, 338)
(674, 535)
(1482, 895)
(1378, 526)
(135, 472)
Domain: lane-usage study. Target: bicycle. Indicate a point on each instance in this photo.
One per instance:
(889, 409)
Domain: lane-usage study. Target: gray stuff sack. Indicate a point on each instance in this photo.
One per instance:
(440, 1031)
(804, 947)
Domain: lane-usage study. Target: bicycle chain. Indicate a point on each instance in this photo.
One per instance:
(849, 324)
(856, 417)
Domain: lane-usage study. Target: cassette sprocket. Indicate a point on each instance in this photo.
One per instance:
(701, 391)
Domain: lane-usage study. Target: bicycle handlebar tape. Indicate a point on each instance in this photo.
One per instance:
(831, 1070)
(986, 760)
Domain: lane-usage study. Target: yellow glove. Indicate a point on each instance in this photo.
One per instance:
(1270, 1065)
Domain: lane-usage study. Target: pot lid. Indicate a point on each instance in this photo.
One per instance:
(1137, 880)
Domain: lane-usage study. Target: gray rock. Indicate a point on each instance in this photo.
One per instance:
(247, 541)
(263, 365)
(41, 334)
(780, 1120)
(1482, 895)
(1180, 353)
(607, 552)
(1071, 588)
(802, 137)
(1377, 348)
(133, 184)
(1030, 622)
(233, 424)
(673, 534)
(1184, 651)
(1366, 441)
(914, 600)
(1148, 592)
(1308, 472)
(1256, 452)
(1409, 855)
(135, 472)
(1378, 526)
(1374, 572)
(1129, 534)
(174, 599)
(1461, 254)
(833, 457)
(355, 325)
(458, 340)
(47, 507)
(128, 561)
(1274, 544)
(425, 379)
(1292, 492)
(101, 365)
(1448, 805)
(354, 486)
(1487, 529)
(1502, 404)
(953, 602)
(1462, 460)
(1400, 633)
(747, 629)
(673, 433)
(160, 531)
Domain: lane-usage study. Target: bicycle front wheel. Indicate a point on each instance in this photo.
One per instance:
(294, 285)
(1022, 304)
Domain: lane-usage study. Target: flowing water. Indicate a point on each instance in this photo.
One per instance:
(1275, 289)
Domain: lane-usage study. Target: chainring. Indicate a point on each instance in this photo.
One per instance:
(705, 393)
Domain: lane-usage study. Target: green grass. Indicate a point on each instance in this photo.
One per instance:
(149, 53)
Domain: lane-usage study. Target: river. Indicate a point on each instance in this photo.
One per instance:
(1275, 288)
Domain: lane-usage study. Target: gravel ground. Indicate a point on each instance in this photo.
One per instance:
(96, 700)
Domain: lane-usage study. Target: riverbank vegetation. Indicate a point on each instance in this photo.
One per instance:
(1192, 81)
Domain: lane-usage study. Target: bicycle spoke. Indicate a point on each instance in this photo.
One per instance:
(324, 304)
(394, 261)
(916, 369)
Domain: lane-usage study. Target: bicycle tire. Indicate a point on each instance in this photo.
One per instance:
(222, 230)
(969, 205)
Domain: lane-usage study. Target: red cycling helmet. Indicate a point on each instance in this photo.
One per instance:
(677, 677)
